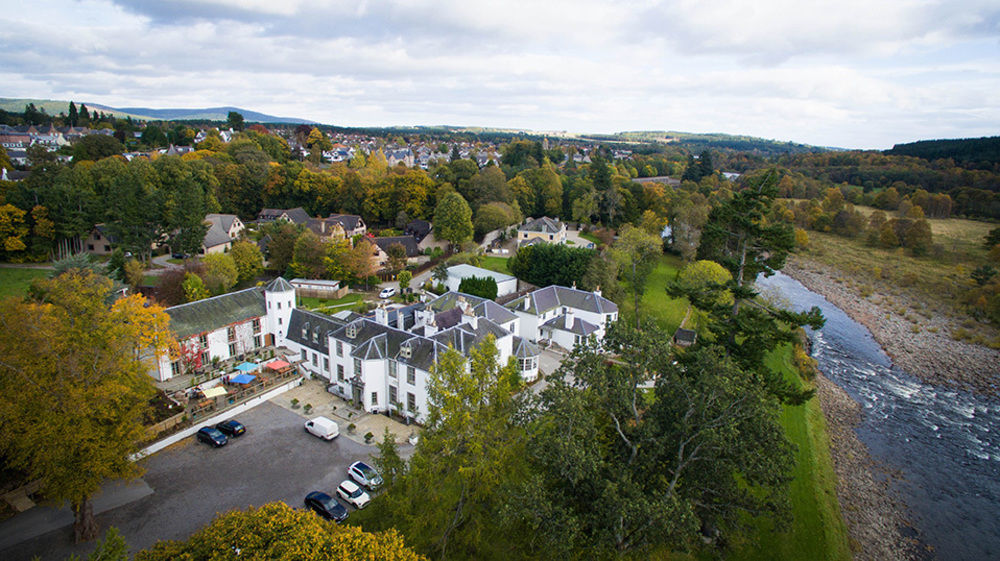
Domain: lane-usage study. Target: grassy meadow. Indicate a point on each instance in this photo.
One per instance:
(14, 281)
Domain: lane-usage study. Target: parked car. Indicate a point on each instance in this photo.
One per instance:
(231, 428)
(212, 436)
(326, 506)
(365, 475)
(387, 292)
(179, 255)
(350, 492)
(323, 428)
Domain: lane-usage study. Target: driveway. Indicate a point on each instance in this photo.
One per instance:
(275, 461)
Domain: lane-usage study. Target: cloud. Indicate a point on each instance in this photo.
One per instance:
(849, 74)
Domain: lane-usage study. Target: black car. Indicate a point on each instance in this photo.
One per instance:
(326, 506)
(212, 436)
(231, 428)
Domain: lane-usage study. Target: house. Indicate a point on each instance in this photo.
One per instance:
(506, 284)
(326, 228)
(565, 316)
(296, 215)
(544, 229)
(352, 224)
(226, 326)
(382, 246)
(419, 229)
(216, 240)
(229, 223)
(100, 242)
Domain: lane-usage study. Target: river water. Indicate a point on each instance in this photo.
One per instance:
(944, 442)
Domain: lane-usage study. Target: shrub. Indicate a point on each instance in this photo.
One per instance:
(368, 437)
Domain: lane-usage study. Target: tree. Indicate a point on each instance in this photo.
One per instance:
(992, 238)
(309, 257)
(493, 216)
(235, 121)
(134, 272)
(637, 253)
(194, 288)
(74, 115)
(248, 259)
(13, 231)
(404, 278)
(616, 472)
(707, 276)
(446, 501)
(281, 236)
(453, 219)
(95, 147)
(276, 531)
(397, 257)
(76, 386)
(220, 272)
(484, 287)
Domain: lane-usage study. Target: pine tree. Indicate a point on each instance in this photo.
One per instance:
(74, 116)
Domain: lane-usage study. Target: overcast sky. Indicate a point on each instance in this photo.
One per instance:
(849, 73)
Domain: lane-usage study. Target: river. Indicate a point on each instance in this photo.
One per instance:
(944, 442)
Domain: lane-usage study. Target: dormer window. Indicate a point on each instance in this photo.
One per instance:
(351, 331)
(305, 331)
(405, 351)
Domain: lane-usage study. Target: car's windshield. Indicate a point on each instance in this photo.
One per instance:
(365, 470)
(357, 493)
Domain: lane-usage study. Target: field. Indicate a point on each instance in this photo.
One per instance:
(655, 304)
(498, 264)
(817, 530)
(14, 281)
(331, 306)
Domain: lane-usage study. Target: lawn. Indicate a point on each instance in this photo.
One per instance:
(498, 264)
(14, 281)
(817, 531)
(331, 306)
(590, 238)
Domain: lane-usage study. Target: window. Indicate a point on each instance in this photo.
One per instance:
(411, 402)
(203, 340)
(316, 336)
(279, 305)
(352, 330)
(340, 348)
(232, 349)
(526, 364)
(205, 359)
(90, 247)
(303, 354)
(411, 375)
(256, 326)
(315, 361)
(175, 368)
(405, 351)
(107, 248)
(326, 364)
(551, 237)
(393, 398)
(374, 399)
(357, 367)
(279, 321)
(257, 341)
(392, 368)
(340, 372)
(231, 332)
(577, 339)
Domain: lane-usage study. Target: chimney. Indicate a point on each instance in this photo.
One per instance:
(382, 315)
(473, 319)
(597, 290)
(569, 318)
(526, 303)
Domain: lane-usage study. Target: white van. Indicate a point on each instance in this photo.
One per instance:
(323, 428)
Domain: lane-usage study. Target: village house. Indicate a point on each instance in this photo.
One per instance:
(99, 242)
(544, 229)
(564, 316)
(506, 284)
(382, 246)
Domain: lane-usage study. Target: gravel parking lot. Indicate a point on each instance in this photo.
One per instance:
(276, 460)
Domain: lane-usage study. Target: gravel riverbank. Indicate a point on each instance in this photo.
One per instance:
(924, 349)
(873, 517)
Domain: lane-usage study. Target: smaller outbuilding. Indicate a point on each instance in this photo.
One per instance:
(685, 337)
(506, 284)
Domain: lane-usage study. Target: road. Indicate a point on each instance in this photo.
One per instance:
(191, 482)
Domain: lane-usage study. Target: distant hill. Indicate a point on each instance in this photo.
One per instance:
(983, 153)
(54, 107)
(697, 142)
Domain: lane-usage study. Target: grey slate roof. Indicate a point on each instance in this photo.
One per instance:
(212, 313)
(297, 215)
(375, 340)
(215, 236)
(448, 318)
(554, 296)
(580, 327)
(543, 224)
(348, 221)
(495, 312)
(408, 243)
(311, 329)
(524, 348)
(224, 220)
(279, 285)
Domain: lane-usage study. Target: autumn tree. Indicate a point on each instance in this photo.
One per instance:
(248, 259)
(194, 288)
(446, 501)
(76, 387)
(637, 253)
(453, 219)
(404, 278)
(278, 532)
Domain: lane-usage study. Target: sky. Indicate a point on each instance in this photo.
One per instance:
(850, 73)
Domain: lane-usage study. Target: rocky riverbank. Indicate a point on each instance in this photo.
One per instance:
(923, 348)
(873, 517)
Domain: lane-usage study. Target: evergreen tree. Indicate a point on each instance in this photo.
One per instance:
(74, 116)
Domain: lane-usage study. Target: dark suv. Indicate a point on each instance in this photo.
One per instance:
(231, 428)
(212, 436)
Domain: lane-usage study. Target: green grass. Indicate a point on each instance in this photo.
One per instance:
(817, 531)
(336, 305)
(14, 281)
(498, 264)
(590, 237)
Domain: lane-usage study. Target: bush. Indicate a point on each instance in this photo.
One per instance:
(484, 287)
(368, 437)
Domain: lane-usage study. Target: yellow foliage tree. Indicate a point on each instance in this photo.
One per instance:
(277, 532)
(76, 392)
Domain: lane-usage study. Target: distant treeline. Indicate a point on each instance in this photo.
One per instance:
(979, 153)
